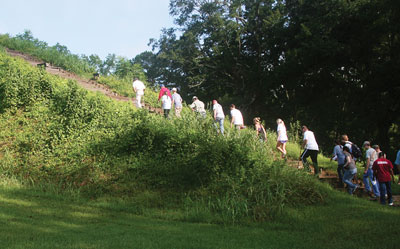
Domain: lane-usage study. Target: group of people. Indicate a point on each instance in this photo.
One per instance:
(378, 171)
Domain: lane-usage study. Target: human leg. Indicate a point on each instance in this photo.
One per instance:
(221, 125)
(340, 171)
(178, 111)
(139, 100)
(389, 192)
(347, 178)
(166, 113)
(279, 146)
(314, 159)
(382, 189)
(303, 158)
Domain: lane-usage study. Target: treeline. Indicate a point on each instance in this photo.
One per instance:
(333, 65)
(60, 55)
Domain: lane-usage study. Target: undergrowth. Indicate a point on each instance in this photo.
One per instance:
(54, 133)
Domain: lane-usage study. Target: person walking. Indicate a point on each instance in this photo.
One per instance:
(339, 156)
(350, 170)
(162, 91)
(166, 104)
(311, 149)
(138, 88)
(383, 171)
(219, 116)
(370, 155)
(261, 133)
(237, 117)
(282, 137)
(397, 163)
(176, 102)
(198, 107)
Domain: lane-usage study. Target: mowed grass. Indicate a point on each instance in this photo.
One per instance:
(36, 219)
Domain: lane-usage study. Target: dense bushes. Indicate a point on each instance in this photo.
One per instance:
(54, 132)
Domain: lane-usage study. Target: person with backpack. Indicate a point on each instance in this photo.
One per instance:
(350, 170)
(355, 151)
(370, 155)
(198, 107)
(383, 171)
(311, 149)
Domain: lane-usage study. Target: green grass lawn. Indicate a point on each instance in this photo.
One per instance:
(36, 219)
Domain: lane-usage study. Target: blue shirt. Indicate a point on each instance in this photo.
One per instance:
(338, 152)
(397, 162)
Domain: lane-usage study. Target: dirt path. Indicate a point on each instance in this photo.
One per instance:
(89, 85)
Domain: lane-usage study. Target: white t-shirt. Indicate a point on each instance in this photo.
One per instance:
(220, 112)
(237, 116)
(166, 102)
(311, 142)
(139, 87)
(198, 106)
(372, 155)
(282, 135)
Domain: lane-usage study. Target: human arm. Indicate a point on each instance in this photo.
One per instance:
(304, 143)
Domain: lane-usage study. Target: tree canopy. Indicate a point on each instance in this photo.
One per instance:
(333, 65)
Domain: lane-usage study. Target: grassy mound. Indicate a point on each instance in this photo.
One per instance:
(54, 133)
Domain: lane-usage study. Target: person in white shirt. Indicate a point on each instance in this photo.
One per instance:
(371, 156)
(237, 117)
(138, 88)
(166, 104)
(198, 107)
(177, 102)
(282, 137)
(311, 149)
(219, 116)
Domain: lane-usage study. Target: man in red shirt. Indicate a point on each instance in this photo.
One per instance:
(383, 170)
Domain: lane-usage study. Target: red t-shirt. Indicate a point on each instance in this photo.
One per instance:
(162, 91)
(382, 168)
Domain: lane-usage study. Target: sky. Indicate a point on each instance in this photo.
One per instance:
(102, 27)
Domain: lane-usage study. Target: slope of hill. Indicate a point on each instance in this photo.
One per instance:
(55, 133)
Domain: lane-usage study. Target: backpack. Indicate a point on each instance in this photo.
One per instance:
(355, 151)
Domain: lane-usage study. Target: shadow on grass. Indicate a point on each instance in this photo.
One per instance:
(38, 220)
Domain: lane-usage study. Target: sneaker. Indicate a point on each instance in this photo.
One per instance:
(391, 204)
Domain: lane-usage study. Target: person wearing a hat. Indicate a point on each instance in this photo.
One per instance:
(370, 155)
(198, 106)
(177, 102)
(162, 91)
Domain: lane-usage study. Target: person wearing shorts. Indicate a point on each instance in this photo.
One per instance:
(282, 137)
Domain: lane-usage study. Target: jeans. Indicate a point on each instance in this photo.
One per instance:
(340, 171)
(220, 121)
(375, 185)
(348, 177)
(385, 188)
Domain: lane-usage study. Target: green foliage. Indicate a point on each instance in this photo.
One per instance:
(58, 134)
(313, 61)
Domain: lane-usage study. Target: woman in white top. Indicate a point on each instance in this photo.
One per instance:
(282, 137)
